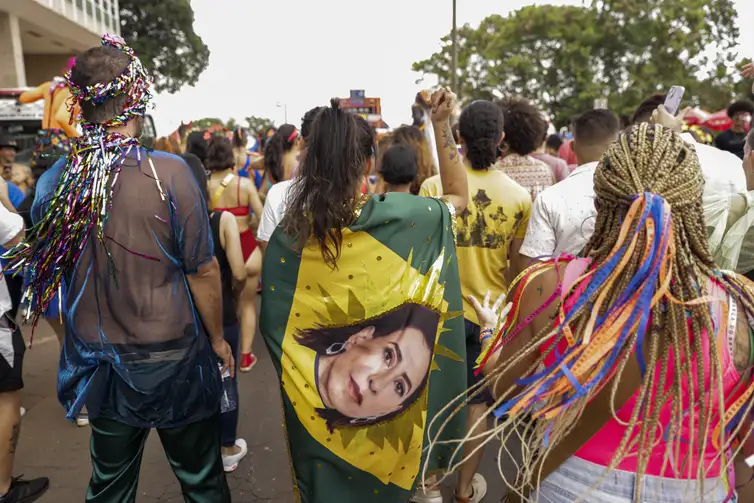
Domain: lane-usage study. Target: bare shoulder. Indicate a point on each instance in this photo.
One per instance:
(246, 183)
(542, 286)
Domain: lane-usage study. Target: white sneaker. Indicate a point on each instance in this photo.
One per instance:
(82, 420)
(426, 497)
(23, 411)
(478, 490)
(230, 463)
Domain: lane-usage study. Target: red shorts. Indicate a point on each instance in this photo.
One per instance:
(248, 244)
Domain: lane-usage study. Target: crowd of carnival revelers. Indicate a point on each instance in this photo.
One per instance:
(576, 302)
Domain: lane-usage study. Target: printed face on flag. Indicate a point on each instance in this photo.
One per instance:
(373, 368)
(358, 355)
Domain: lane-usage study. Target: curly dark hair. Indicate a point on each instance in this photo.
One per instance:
(322, 200)
(738, 107)
(524, 125)
(409, 315)
(481, 128)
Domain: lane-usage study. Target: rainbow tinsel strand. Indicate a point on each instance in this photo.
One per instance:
(581, 364)
(78, 208)
(81, 203)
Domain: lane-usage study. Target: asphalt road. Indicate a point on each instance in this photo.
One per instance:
(53, 447)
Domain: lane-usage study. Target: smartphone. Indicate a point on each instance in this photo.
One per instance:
(674, 99)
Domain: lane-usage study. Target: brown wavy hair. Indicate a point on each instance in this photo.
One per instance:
(323, 199)
(413, 137)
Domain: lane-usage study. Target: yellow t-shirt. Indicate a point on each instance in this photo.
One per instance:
(498, 211)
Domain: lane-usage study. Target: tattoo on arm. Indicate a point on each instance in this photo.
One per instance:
(15, 433)
(449, 142)
(540, 290)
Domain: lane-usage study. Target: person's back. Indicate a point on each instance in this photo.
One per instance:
(636, 396)
(232, 193)
(523, 135)
(143, 328)
(497, 214)
(489, 234)
(558, 166)
(562, 218)
(143, 306)
(354, 291)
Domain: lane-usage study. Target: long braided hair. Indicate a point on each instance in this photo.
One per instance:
(644, 296)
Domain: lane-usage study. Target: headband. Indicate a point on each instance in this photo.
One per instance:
(134, 82)
(293, 135)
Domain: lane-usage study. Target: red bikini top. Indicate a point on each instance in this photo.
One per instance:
(239, 211)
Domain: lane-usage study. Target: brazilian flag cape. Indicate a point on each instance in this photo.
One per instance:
(399, 254)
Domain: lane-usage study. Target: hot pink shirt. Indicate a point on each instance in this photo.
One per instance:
(602, 446)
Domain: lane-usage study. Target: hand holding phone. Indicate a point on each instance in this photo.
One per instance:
(674, 99)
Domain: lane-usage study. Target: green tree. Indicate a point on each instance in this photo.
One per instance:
(256, 124)
(231, 124)
(206, 123)
(565, 57)
(162, 35)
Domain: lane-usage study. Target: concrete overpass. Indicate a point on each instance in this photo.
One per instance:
(38, 37)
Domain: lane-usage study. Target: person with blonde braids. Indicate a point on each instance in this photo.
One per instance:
(635, 360)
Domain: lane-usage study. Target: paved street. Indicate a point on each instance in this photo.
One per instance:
(53, 447)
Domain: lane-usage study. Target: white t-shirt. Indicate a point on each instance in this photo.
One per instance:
(274, 210)
(723, 172)
(563, 216)
(10, 225)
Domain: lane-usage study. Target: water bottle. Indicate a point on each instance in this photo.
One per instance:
(228, 400)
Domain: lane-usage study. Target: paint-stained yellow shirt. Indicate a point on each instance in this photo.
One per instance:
(498, 211)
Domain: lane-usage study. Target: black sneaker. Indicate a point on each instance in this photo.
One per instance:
(26, 491)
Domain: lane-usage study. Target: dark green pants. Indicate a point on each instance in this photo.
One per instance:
(192, 450)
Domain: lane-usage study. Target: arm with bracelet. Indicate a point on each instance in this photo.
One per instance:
(489, 322)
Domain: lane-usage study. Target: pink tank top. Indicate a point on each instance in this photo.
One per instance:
(601, 447)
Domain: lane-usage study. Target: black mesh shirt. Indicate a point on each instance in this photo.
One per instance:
(135, 349)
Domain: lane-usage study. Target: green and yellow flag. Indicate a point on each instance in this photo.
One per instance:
(369, 353)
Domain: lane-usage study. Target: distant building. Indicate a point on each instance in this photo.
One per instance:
(38, 37)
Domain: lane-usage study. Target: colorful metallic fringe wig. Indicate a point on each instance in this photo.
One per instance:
(82, 200)
(644, 298)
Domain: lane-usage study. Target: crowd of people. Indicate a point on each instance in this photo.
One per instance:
(581, 302)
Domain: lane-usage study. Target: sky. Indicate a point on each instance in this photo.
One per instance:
(316, 50)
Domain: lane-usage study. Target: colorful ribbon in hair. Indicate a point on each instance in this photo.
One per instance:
(82, 200)
(134, 82)
(584, 365)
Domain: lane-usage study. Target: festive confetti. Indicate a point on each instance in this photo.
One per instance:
(82, 200)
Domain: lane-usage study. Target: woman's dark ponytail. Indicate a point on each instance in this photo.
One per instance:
(323, 199)
(281, 142)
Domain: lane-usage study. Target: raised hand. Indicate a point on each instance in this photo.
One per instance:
(489, 317)
(442, 104)
(662, 117)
